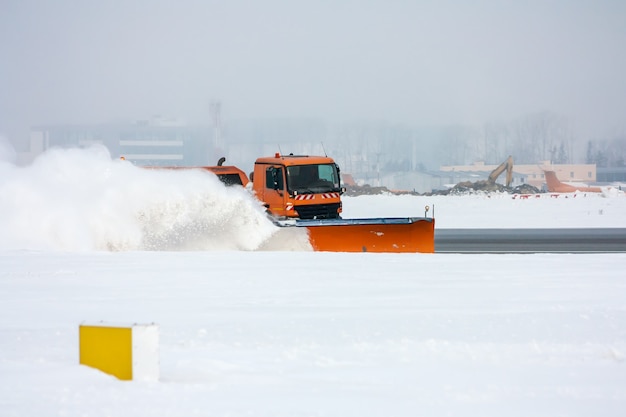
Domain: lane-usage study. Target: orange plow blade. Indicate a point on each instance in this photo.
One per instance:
(412, 234)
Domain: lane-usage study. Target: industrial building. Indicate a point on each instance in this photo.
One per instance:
(156, 142)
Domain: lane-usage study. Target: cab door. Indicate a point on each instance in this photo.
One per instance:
(274, 194)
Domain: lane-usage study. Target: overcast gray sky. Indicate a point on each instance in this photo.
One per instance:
(415, 62)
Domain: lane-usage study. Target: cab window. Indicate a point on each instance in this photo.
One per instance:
(327, 173)
(272, 175)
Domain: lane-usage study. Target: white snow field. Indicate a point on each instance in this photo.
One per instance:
(248, 331)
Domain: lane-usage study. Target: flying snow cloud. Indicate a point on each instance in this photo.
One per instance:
(82, 200)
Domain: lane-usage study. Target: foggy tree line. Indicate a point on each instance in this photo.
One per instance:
(374, 147)
(607, 152)
(370, 148)
(537, 137)
(530, 139)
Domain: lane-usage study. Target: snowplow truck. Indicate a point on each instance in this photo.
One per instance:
(305, 191)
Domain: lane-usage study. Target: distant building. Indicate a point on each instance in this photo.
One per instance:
(155, 142)
(419, 182)
(610, 175)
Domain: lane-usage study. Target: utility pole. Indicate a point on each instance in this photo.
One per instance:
(378, 154)
(216, 117)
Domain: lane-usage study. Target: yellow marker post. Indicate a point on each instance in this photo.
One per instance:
(128, 352)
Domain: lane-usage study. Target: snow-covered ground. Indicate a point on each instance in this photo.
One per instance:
(247, 332)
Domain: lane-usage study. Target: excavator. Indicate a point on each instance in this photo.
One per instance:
(305, 191)
(505, 166)
(490, 183)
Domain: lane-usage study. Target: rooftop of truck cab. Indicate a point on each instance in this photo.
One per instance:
(290, 160)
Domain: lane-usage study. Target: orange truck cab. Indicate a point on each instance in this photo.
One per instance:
(298, 186)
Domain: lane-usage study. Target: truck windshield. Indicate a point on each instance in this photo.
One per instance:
(309, 179)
